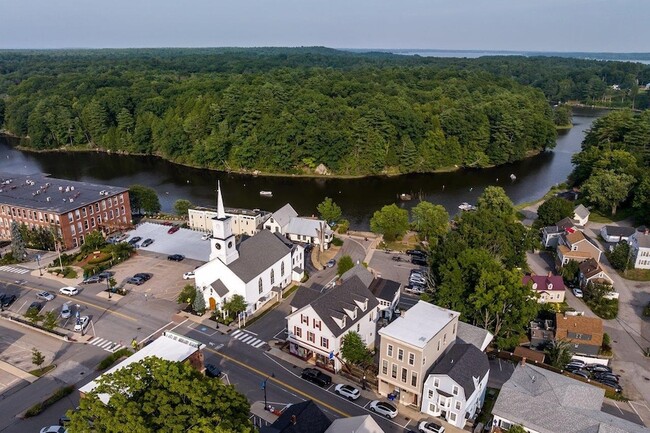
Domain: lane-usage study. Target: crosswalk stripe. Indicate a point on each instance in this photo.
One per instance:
(105, 344)
(116, 348)
(241, 336)
(235, 332)
(97, 341)
(258, 345)
(14, 269)
(247, 339)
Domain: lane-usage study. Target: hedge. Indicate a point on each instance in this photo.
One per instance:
(58, 395)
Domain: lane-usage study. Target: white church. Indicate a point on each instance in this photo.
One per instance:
(257, 268)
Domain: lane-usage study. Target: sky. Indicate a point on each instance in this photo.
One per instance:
(513, 25)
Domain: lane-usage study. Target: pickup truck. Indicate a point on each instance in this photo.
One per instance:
(316, 376)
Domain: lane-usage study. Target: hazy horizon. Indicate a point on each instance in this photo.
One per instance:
(599, 26)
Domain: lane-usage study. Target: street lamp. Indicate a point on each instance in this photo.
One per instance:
(108, 284)
(263, 385)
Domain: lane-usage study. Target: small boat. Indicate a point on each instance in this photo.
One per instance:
(513, 177)
(405, 197)
(466, 207)
(266, 193)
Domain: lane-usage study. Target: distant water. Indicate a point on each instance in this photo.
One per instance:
(474, 54)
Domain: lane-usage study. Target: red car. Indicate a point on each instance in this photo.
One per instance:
(173, 229)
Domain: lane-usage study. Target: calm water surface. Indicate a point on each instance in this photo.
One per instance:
(358, 198)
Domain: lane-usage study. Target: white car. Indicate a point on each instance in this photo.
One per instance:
(416, 279)
(66, 312)
(430, 427)
(70, 291)
(82, 323)
(206, 236)
(383, 408)
(347, 391)
(188, 275)
(54, 429)
(577, 293)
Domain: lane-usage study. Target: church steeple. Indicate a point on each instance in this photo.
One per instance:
(223, 240)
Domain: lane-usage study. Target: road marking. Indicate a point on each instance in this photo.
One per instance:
(160, 329)
(279, 382)
(106, 345)
(619, 409)
(14, 269)
(246, 338)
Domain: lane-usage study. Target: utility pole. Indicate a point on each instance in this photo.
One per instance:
(263, 385)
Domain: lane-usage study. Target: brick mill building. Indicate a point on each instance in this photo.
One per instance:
(72, 209)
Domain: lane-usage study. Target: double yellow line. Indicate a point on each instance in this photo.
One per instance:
(279, 382)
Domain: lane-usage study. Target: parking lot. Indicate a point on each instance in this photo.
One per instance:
(184, 241)
(389, 268)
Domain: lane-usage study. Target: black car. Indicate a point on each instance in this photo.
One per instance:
(7, 300)
(316, 376)
(135, 280)
(598, 368)
(146, 242)
(418, 253)
(418, 260)
(134, 240)
(38, 306)
(176, 257)
(211, 370)
(606, 376)
(106, 274)
(143, 276)
(614, 385)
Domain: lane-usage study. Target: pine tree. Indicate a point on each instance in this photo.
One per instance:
(17, 243)
(199, 303)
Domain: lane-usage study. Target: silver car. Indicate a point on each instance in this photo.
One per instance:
(46, 296)
(383, 408)
(347, 391)
(66, 312)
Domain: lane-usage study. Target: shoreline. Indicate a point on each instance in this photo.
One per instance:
(254, 173)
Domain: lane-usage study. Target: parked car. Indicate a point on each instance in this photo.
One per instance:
(577, 362)
(383, 408)
(611, 384)
(135, 281)
(106, 274)
(606, 376)
(397, 258)
(598, 368)
(330, 263)
(82, 323)
(430, 427)
(66, 312)
(414, 288)
(92, 280)
(415, 279)
(419, 253)
(134, 240)
(176, 257)
(316, 376)
(347, 391)
(143, 276)
(420, 261)
(7, 300)
(577, 293)
(46, 296)
(173, 229)
(188, 275)
(69, 291)
(582, 373)
(206, 236)
(38, 306)
(211, 370)
(54, 429)
(146, 242)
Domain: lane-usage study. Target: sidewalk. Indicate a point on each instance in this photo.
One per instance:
(14, 406)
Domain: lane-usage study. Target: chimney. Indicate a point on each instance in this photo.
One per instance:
(550, 274)
(646, 232)
(294, 420)
(523, 361)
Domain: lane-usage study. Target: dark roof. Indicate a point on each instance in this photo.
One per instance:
(309, 419)
(334, 301)
(258, 253)
(461, 363)
(220, 288)
(384, 289)
(589, 268)
(565, 223)
(360, 271)
(33, 191)
(619, 231)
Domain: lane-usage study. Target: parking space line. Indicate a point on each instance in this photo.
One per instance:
(619, 409)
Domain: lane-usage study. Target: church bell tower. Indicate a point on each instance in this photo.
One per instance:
(222, 244)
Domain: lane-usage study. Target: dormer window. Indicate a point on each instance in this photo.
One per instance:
(550, 286)
(365, 305)
(343, 322)
(534, 286)
(354, 313)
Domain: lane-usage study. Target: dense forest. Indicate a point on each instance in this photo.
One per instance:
(613, 167)
(289, 110)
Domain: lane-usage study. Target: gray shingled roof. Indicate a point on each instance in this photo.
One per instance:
(581, 211)
(220, 288)
(309, 419)
(332, 303)
(360, 271)
(473, 335)
(304, 296)
(642, 239)
(257, 253)
(552, 403)
(15, 191)
(461, 363)
(620, 231)
(284, 214)
(306, 226)
(384, 289)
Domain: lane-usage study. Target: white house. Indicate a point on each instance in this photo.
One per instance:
(640, 249)
(455, 388)
(319, 321)
(550, 288)
(581, 215)
(616, 234)
(280, 219)
(258, 269)
(299, 229)
(551, 234)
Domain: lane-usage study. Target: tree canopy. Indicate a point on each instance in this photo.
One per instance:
(390, 221)
(143, 198)
(429, 220)
(344, 265)
(329, 211)
(354, 349)
(181, 206)
(553, 210)
(155, 395)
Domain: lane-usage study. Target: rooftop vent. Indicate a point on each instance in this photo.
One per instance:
(49, 199)
(61, 188)
(72, 188)
(71, 200)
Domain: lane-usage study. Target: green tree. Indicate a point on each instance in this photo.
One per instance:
(558, 353)
(619, 258)
(50, 319)
(181, 206)
(495, 200)
(33, 316)
(235, 305)
(17, 243)
(111, 284)
(199, 304)
(517, 429)
(390, 221)
(354, 350)
(93, 241)
(143, 198)
(37, 358)
(329, 211)
(554, 210)
(562, 115)
(431, 221)
(606, 189)
(156, 395)
(187, 295)
(345, 264)
(570, 271)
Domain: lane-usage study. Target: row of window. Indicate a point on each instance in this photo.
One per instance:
(311, 337)
(452, 416)
(400, 354)
(643, 262)
(29, 215)
(260, 285)
(403, 374)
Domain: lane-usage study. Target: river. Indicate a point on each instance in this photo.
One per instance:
(358, 198)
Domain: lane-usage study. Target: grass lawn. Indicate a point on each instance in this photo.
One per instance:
(410, 241)
(636, 274)
(606, 218)
(490, 398)
(38, 372)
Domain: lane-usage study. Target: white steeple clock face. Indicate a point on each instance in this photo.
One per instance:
(230, 244)
(217, 245)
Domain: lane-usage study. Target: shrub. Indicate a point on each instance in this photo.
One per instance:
(101, 258)
(344, 226)
(646, 310)
(113, 357)
(58, 395)
(337, 242)
(605, 309)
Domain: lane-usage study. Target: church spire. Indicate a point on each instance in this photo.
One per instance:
(221, 213)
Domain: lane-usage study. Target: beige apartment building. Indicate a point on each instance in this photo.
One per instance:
(410, 346)
(243, 221)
